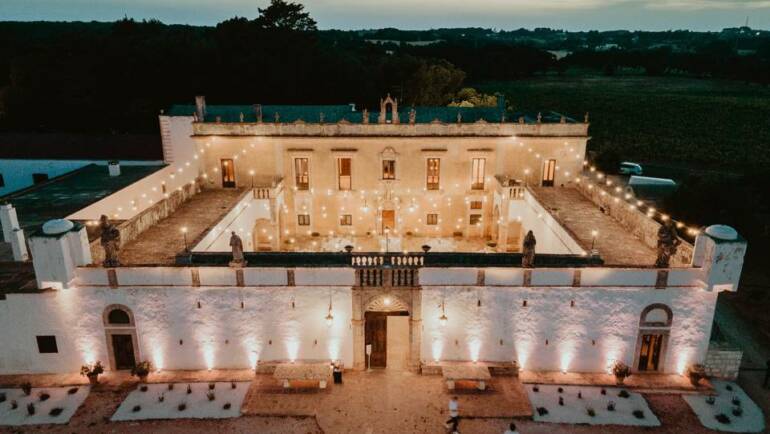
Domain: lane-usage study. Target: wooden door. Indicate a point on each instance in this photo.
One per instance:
(123, 347)
(549, 173)
(228, 173)
(388, 219)
(376, 335)
(649, 352)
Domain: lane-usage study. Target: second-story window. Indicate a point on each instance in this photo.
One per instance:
(432, 219)
(388, 169)
(346, 220)
(301, 173)
(344, 173)
(476, 204)
(434, 173)
(477, 173)
(303, 219)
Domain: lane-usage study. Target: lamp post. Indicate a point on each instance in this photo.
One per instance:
(184, 236)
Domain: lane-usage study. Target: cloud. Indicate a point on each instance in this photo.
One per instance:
(707, 4)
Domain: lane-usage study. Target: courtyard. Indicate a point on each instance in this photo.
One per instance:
(380, 401)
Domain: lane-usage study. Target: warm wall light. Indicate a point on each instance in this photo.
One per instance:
(443, 318)
(329, 317)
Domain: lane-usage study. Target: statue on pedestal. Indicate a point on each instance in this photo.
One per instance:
(668, 242)
(110, 241)
(412, 116)
(237, 245)
(528, 250)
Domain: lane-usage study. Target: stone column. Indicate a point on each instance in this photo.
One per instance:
(415, 330)
(12, 233)
(359, 357)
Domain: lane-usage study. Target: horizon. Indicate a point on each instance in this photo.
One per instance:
(568, 15)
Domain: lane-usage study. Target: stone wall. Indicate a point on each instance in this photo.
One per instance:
(131, 228)
(723, 362)
(635, 221)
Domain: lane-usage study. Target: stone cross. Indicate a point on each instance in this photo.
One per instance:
(110, 241)
(528, 250)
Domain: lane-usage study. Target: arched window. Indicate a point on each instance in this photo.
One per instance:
(118, 316)
(656, 315)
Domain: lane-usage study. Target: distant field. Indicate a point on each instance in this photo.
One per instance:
(712, 123)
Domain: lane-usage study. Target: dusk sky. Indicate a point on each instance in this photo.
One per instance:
(422, 14)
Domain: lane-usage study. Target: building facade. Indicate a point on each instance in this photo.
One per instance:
(398, 230)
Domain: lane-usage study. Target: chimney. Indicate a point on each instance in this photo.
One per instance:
(114, 168)
(200, 107)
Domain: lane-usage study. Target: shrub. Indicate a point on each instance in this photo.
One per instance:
(722, 418)
(624, 393)
(182, 407)
(729, 387)
(621, 371)
(137, 408)
(2, 397)
(590, 411)
(611, 406)
(211, 395)
(14, 404)
(143, 388)
(710, 400)
(639, 414)
(542, 411)
(736, 401)
(44, 396)
(212, 386)
(72, 391)
(535, 388)
(233, 385)
(189, 389)
(580, 395)
(170, 386)
(603, 391)
(696, 373)
(560, 390)
(92, 371)
(161, 397)
(30, 409)
(26, 387)
(55, 411)
(737, 411)
(227, 406)
(142, 370)
(561, 400)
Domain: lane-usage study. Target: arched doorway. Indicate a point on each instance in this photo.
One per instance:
(120, 331)
(652, 341)
(387, 332)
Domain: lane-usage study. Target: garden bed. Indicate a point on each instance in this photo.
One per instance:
(48, 405)
(589, 405)
(730, 410)
(183, 400)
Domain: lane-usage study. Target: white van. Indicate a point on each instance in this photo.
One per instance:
(628, 168)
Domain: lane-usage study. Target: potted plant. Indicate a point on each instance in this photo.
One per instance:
(696, 373)
(142, 370)
(621, 371)
(92, 372)
(348, 248)
(425, 248)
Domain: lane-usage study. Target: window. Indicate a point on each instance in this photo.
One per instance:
(119, 317)
(388, 169)
(346, 220)
(434, 172)
(303, 219)
(476, 204)
(475, 219)
(301, 173)
(477, 173)
(47, 344)
(432, 219)
(344, 172)
(2, 180)
(37, 178)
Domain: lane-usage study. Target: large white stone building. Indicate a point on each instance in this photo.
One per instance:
(336, 208)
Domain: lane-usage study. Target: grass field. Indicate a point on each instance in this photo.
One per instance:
(708, 123)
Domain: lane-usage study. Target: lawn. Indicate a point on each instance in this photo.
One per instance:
(686, 121)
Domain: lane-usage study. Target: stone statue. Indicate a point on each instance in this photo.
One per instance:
(459, 118)
(528, 250)
(237, 245)
(321, 117)
(412, 116)
(277, 117)
(585, 118)
(242, 117)
(668, 241)
(365, 116)
(539, 117)
(110, 241)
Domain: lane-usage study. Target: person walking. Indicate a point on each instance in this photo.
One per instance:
(454, 415)
(511, 429)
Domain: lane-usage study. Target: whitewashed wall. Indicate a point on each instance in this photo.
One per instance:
(550, 235)
(220, 333)
(240, 219)
(608, 316)
(17, 173)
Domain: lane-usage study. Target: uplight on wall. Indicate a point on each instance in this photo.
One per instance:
(443, 318)
(329, 317)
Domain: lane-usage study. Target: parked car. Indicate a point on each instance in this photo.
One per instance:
(628, 168)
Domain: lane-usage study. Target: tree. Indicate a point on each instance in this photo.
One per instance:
(434, 83)
(286, 16)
